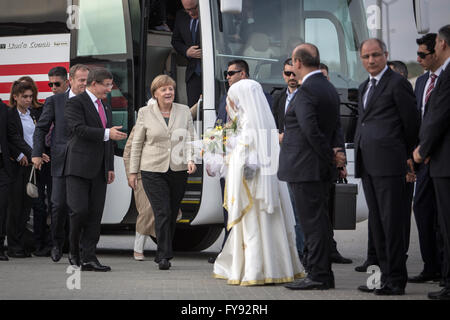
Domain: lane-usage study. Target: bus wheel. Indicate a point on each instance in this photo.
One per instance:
(195, 238)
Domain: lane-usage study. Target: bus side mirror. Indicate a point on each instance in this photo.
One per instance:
(421, 16)
(231, 6)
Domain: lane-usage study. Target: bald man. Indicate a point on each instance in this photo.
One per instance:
(307, 162)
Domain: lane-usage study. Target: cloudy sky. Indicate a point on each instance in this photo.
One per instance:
(402, 27)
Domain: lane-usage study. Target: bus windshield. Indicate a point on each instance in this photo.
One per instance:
(266, 31)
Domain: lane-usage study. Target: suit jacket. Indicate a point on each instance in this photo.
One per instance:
(182, 40)
(435, 130)
(7, 163)
(420, 88)
(387, 128)
(157, 146)
(312, 124)
(16, 142)
(86, 152)
(53, 112)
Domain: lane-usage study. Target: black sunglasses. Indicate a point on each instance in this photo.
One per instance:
(423, 55)
(57, 84)
(231, 73)
(289, 73)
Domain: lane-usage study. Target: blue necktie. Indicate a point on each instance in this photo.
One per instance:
(194, 23)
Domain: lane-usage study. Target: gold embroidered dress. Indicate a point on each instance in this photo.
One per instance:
(261, 246)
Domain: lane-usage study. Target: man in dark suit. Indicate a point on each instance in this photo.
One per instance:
(89, 166)
(307, 161)
(54, 114)
(6, 174)
(186, 41)
(434, 147)
(425, 208)
(387, 130)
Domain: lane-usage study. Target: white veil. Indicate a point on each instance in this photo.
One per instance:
(258, 131)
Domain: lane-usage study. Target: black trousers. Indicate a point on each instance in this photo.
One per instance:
(225, 213)
(165, 192)
(388, 217)
(311, 201)
(86, 200)
(18, 210)
(60, 211)
(194, 89)
(442, 191)
(42, 207)
(4, 187)
(426, 215)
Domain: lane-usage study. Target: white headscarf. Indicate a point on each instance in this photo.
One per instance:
(258, 130)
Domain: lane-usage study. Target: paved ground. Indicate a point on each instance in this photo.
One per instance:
(188, 279)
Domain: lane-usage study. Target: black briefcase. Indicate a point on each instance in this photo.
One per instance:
(343, 205)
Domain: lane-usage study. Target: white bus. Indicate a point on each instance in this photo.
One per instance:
(115, 34)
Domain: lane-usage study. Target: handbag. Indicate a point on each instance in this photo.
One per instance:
(32, 189)
(343, 205)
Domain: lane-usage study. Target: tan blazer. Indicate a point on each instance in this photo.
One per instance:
(157, 146)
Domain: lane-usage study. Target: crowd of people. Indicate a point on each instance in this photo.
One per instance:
(277, 224)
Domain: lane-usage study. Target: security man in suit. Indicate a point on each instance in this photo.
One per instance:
(425, 208)
(53, 113)
(89, 166)
(434, 148)
(307, 162)
(186, 41)
(385, 136)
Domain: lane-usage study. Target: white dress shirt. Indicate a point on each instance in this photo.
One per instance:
(377, 78)
(28, 130)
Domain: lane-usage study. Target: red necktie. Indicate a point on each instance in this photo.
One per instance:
(430, 87)
(101, 112)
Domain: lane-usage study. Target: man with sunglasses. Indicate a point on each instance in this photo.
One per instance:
(186, 41)
(57, 80)
(425, 207)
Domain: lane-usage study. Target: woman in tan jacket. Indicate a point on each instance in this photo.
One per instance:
(162, 153)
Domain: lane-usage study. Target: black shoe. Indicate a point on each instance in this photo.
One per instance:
(164, 264)
(308, 284)
(424, 277)
(365, 289)
(337, 258)
(56, 254)
(3, 256)
(390, 291)
(44, 252)
(211, 259)
(364, 266)
(94, 266)
(74, 260)
(19, 254)
(444, 294)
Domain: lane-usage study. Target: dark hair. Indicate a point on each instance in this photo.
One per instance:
(399, 67)
(429, 40)
(444, 34)
(73, 69)
(58, 72)
(98, 75)
(288, 62)
(323, 66)
(19, 87)
(35, 104)
(242, 64)
(305, 56)
(380, 43)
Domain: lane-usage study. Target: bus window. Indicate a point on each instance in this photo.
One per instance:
(93, 37)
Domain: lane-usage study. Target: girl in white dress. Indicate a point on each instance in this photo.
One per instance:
(261, 246)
